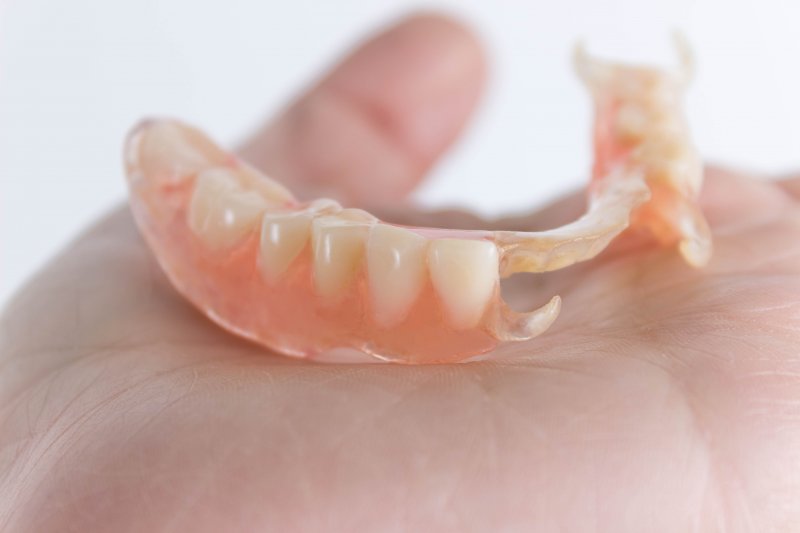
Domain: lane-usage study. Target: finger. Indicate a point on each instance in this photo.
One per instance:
(371, 128)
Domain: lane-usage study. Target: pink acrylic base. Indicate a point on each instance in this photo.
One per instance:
(288, 316)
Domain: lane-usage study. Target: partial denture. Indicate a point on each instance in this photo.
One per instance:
(309, 278)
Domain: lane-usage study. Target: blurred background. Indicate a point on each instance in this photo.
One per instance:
(74, 76)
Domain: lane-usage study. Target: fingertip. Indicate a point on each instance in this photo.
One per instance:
(423, 76)
(371, 128)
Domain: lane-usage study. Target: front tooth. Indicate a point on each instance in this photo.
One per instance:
(338, 246)
(465, 275)
(220, 212)
(170, 152)
(283, 237)
(396, 268)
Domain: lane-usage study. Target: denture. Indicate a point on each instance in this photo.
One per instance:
(309, 279)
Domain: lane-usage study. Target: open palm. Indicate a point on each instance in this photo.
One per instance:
(663, 399)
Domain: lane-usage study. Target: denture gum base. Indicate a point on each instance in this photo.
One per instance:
(309, 279)
(231, 289)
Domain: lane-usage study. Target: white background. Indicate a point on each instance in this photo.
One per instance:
(74, 75)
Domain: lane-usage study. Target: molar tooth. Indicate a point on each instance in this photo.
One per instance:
(170, 151)
(338, 246)
(220, 212)
(396, 268)
(283, 237)
(464, 274)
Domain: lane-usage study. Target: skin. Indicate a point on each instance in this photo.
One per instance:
(663, 399)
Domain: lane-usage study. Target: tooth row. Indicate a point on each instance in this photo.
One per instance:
(225, 209)
(463, 272)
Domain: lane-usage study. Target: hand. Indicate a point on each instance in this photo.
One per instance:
(663, 399)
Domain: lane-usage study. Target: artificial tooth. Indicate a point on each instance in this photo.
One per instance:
(396, 268)
(283, 237)
(663, 170)
(338, 247)
(631, 122)
(220, 212)
(171, 152)
(666, 143)
(270, 189)
(356, 215)
(324, 206)
(465, 275)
